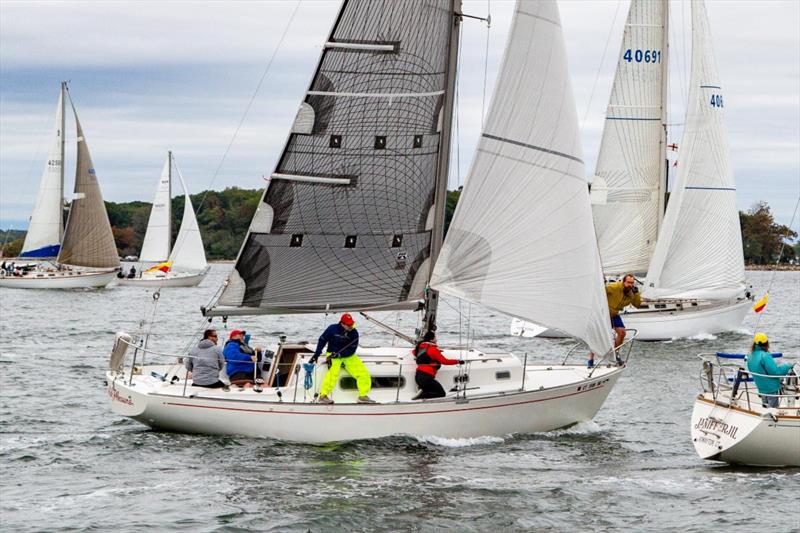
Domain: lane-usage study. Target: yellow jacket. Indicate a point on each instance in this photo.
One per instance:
(618, 300)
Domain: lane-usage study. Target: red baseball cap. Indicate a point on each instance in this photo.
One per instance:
(236, 332)
(347, 320)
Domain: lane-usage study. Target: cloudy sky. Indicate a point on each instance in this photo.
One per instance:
(148, 76)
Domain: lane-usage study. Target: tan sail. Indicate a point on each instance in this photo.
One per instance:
(88, 240)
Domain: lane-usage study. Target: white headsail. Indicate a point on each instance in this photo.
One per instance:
(699, 252)
(188, 254)
(158, 237)
(627, 193)
(47, 224)
(522, 239)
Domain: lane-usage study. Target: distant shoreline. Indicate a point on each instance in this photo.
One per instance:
(793, 268)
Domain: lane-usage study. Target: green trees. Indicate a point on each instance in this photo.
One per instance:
(762, 238)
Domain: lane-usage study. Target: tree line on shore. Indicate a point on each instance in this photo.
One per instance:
(224, 217)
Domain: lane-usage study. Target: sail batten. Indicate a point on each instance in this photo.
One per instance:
(46, 226)
(626, 190)
(347, 218)
(699, 253)
(522, 240)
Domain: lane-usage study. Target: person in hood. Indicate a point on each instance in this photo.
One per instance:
(342, 341)
(205, 362)
(760, 361)
(241, 360)
(429, 360)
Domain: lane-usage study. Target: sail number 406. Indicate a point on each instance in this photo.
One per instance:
(648, 56)
(716, 100)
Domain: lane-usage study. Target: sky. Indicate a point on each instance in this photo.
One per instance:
(219, 85)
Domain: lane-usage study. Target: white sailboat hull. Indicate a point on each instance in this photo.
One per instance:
(59, 280)
(171, 279)
(658, 325)
(738, 435)
(569, 394)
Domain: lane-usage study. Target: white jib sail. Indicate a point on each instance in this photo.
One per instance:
(47, 223)
(522, 239)
(699, 252)
(188, 254)
(158, 236)
(625, 190)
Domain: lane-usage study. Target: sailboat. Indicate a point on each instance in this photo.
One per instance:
(692, 252)
(184, 265)
(352, 220)
(86, 255)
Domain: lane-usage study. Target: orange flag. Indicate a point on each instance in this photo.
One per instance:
(761, 304)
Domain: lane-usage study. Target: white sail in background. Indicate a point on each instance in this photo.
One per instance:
(46, 226)
(699, 252)
(158, 237)
(522, 240)
(626, 193)
(188, 254)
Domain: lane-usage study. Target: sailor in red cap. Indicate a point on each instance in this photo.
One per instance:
(341, 340)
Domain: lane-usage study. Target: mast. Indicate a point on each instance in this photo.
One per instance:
(442, 174)
(169, 204)
(61, 182)
(663, 181)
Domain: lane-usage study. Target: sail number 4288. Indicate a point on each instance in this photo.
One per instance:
(648, 56)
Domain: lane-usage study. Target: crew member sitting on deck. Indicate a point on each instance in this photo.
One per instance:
(342, 342)
(132, 272)
(429, 359)
(760, 361)
(205, 361)
(241, 360)
(620, 295)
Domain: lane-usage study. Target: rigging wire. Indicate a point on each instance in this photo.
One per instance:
(600, 67)
(486, 58)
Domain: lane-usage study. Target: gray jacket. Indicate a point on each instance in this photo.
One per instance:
(205, 361)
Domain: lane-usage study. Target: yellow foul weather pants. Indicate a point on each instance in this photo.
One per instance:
(354, 367)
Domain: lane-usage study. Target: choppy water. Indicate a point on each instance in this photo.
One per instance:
(68, 464)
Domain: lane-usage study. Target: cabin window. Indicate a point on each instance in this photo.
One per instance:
(350, 241)
(297, 240)
(380, 142)
(504, 374)
(378, 382)
(417, 141)
(660, 306)
(336, 141)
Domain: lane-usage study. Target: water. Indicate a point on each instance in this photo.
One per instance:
(68, 464)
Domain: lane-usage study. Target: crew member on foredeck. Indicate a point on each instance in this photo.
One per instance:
(760, 361)
(620, 294)
(342, 342)
(429, 360)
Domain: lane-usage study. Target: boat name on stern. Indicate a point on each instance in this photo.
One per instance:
(116, 396)
(710, 424)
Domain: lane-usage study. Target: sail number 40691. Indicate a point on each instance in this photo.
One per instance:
(639, 56)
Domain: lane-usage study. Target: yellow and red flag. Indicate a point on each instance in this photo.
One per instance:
(761, 304)
(163, 267)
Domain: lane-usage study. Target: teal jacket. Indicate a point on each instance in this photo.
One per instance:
(762, 362)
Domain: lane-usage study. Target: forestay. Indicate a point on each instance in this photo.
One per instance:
(188, 254)
(699, 252)
(626, 195)
(347, 216)
(88, 240)
(47, 224)
(157, 238)
(522, 239)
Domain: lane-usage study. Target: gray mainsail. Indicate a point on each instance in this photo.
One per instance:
(349, 219)
(88, 240)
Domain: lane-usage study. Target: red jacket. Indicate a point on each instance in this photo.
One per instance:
(430, 358)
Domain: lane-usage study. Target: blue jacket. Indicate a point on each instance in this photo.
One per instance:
(761, 362)
(339, 341)
(237, 359)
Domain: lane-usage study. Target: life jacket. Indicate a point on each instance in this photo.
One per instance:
(423, 358)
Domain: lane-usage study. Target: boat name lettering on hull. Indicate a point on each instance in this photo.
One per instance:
(116, 396)
(710, 424)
